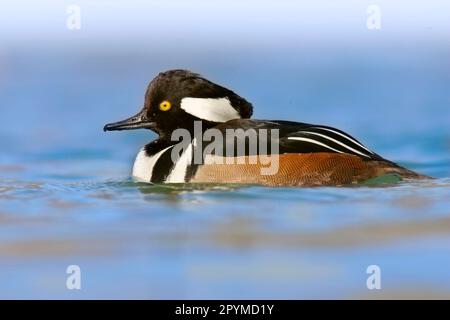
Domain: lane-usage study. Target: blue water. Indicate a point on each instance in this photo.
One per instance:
(66, 197)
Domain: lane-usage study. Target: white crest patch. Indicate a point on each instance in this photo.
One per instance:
(143, 165)
(210, 109)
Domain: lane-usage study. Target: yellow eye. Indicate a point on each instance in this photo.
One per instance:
(165, 105)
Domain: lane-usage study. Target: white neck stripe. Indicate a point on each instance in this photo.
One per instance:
(178, 173)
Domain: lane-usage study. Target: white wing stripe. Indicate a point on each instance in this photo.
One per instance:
(338, 142)
(315, 142)
(345, 136)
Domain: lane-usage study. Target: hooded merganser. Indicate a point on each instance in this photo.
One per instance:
(306, 154)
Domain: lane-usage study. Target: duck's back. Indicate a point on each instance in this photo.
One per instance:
(304, 155)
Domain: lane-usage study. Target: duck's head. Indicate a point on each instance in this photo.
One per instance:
(177, 98)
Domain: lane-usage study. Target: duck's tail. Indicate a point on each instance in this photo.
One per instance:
(404, 173)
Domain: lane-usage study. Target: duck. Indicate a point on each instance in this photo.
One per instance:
(222, 144)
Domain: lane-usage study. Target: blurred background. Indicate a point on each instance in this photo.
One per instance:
(377, 70)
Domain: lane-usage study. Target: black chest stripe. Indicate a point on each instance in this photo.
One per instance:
(162, 167)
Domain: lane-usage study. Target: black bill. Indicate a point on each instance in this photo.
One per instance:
(138, 121)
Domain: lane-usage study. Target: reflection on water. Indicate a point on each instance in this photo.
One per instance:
(205, 241)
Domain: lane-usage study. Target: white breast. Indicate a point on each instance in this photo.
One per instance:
(178, 173)
(143, 165)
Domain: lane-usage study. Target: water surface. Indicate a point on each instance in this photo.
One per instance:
(66, 197)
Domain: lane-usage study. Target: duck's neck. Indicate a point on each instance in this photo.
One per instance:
(157, 145)
(164, 140)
